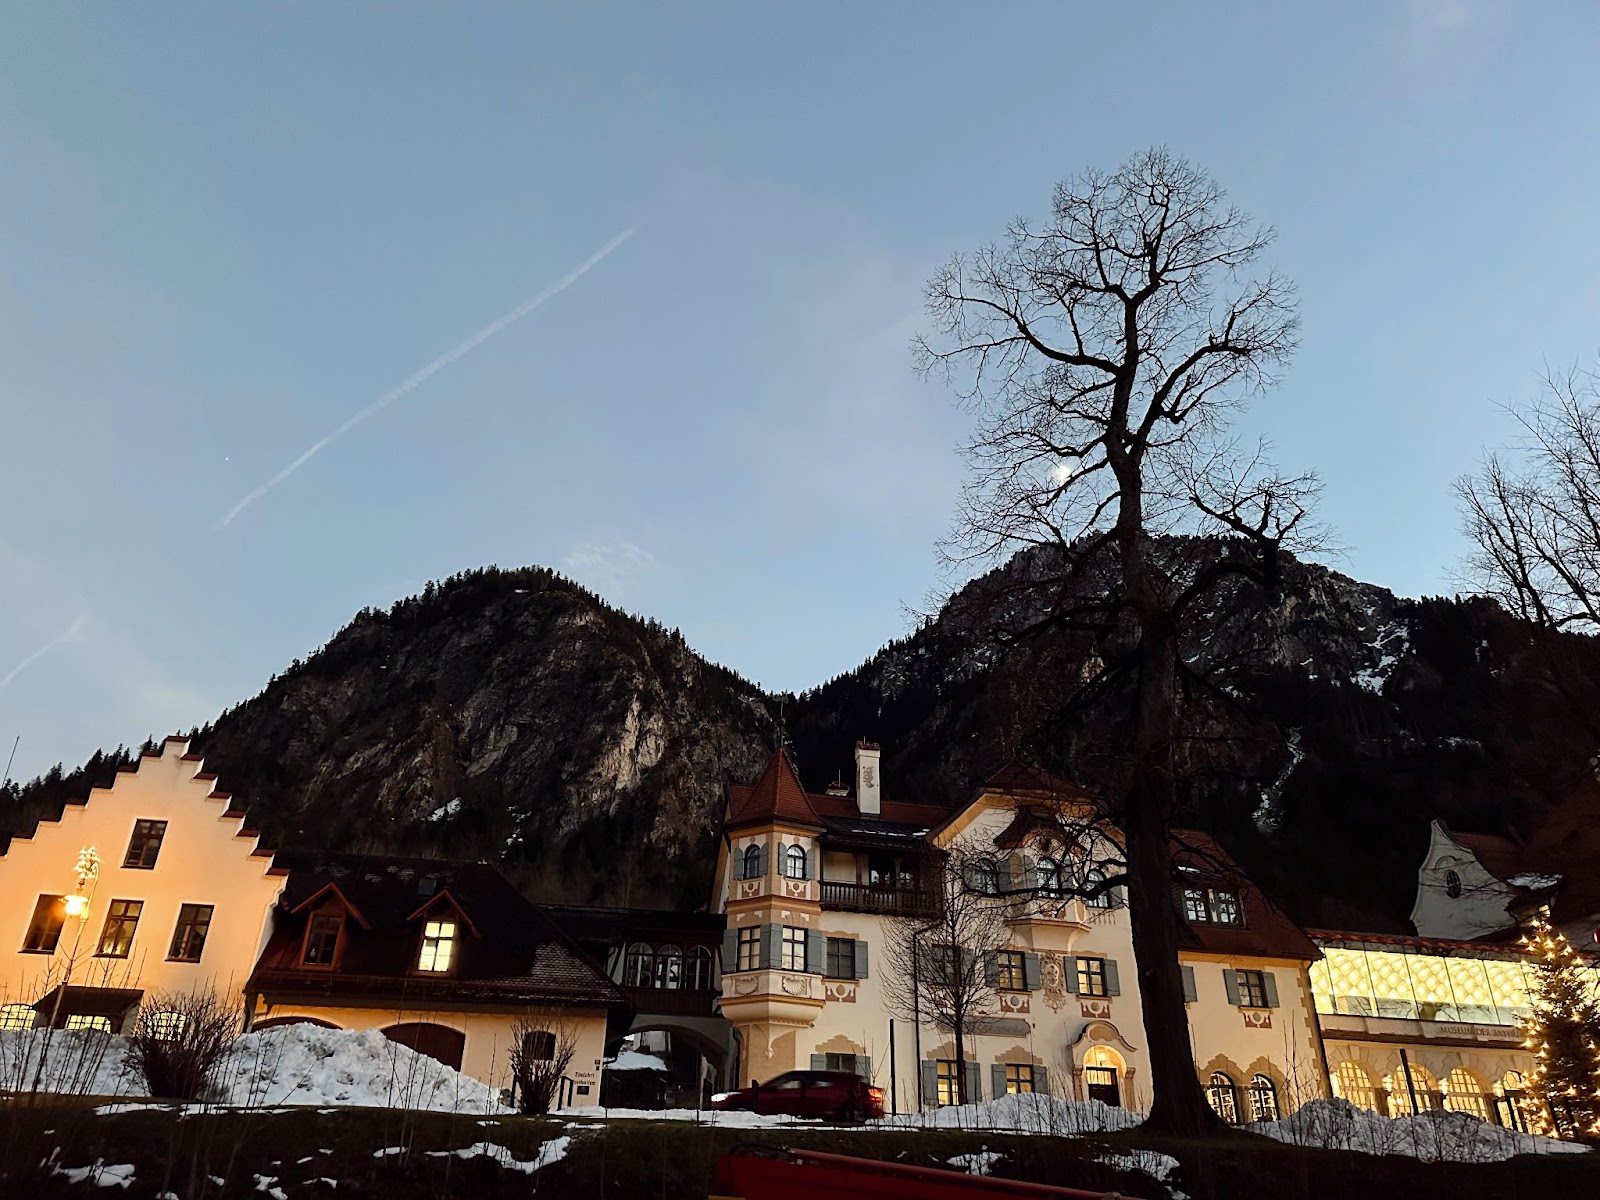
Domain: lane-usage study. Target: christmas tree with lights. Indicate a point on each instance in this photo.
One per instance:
(1563, 1031)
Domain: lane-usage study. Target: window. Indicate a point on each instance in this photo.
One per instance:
(983, 877)
(1212, 906)
(122, 918)
(1010, 973)
(841, 958)
(189, 938)
(1263, 1099)
(1352, 1082)
(749, 948)
(165, 1024)
(1225, 908)
(1194, 905)
(17, 1016)
(856, 1064)
(1252, 989)
(84, 1021)
(438, 946)
(794, 862)
(752, 862)
(947, 1090)
(1092, 977)
(1224, 1097)
(1463, 1093)
(794, 948)
(44, 930)
(1105, 899)
(1400, 1093)
(669, 967)
(539, 1045)
(638, 967)
(1452, 885)
(1019, 1079)
(322, 939)
(1048, 874)
(1510, 1100)
(697, 969)
(145, 845)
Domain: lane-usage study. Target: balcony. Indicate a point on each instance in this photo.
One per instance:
(858, 897)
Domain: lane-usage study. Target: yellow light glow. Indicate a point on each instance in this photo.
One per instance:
(77, 906)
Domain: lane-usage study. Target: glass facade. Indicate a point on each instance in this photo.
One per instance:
(1382, 980)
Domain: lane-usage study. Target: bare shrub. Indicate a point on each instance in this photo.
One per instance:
(543, 1042)
(180, 1040)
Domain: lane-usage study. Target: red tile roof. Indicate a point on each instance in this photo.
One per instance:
(1267, 931)
(777, 796)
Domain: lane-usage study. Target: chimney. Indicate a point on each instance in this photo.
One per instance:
(869, 782)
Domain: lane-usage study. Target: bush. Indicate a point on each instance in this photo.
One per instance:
(180, 1039)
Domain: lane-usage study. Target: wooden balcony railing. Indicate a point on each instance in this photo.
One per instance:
(859, 897)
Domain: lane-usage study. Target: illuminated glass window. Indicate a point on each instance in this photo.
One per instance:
(947, 1090)
(749, 948)
(189, 936)
(44, 930)
(1194, 905)
(794, 948)
(1423, 1086)
(1353, 1082)
(1263, 1099)
(1224, 1096)
(1092, 977)
(17, 1016)
(122, 919)
(1464, 1093)
(84, 1021)
(166, 1025)
(438, 946)
(1010, 972)
(1019, 1078)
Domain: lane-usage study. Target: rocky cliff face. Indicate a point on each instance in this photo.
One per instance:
(512, 716)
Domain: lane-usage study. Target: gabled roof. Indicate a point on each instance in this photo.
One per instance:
(777, 795)
(1018, 778)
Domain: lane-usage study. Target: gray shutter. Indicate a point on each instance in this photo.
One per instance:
(771, 945)
(812, 864)
(1271, 980)
(1030, 972)
(991, 967)
(738, 864)
(1119, 897)
(861, 960)
(766, 854)
(730, 951)
(930, 1082)
(1041, 1079)
(966, 966)
(864, 1066)
(1230, 984)
(997, 1080)
(974, 1082)
(819, 1062)
(816, 951)
(1069, 974)
(1189, 993)
(1113, 983)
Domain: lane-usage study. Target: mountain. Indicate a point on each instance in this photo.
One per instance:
(512, 715)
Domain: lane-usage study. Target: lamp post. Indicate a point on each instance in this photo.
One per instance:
(75, 906)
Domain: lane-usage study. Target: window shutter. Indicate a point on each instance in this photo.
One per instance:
(1030, 873)
(1069, 974)
(930, 1082)
(1189, 993)
(1119, 897)
(730, 951)
(812, 864)
(1041, 1079)
(1030, 972)
(991, 967)
(771, 945)
(1113, 984)
(761, 872)
(816, 951)
(864, 1066)
(738, 864)
(974, 1082)
(997, 1080)
(861, 960)
(966, 968)
(819, 1062)
(1271, 980)
(1230, 984)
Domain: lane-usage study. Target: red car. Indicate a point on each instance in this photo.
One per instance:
(830, 1095)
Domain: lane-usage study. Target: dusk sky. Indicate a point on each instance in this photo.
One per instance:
(627, 291)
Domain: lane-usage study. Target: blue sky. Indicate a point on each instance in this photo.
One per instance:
(225, 230)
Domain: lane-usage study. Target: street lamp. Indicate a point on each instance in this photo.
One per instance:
(76, 906)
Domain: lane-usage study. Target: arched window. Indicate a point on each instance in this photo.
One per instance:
(1353, 1082)
(983, 877)
(1103, 1069)
(1224, 1096)
(1452, 885)
(1509, 1101)
(1464, 1093)
(697, 969)
(17, 1016)
(1047, 876)
(1423, 1084)
(669, 967)
(1263, 1099)
(1092, 878)
(752, 863)
(538, 1045)
(794, 862)
(638, 969)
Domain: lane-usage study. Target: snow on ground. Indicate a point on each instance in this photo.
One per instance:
(635, 1060)
(1019, 1114)
(1160, 1167)
(100, 1173)
(732, 1118)
(549, 1152)
(81, 1062)
(980, 1163)
(1430, 1136)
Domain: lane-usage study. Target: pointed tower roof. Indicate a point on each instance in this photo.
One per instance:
(776, 796)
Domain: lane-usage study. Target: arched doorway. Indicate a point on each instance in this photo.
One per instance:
(279, 1022)
(1103, 1072)
(1464, 1092)
(436, 1041)
(1353, 1082)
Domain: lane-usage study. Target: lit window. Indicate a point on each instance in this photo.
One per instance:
(697, 969)
(1252, 989)
(841, 958)
(794, 862)
(1194, 905)
(438, 946)
(794, 948)
(122, 919)
(1225, 907)
(1463, 1093)
(669, 967)
(17, 1016)
(1092, 977)
(639, 967)
(1263, 1099)
(322, 939)
(1010, 972)
(749, 948)
(1352, 1082)
(145, 845)
(1019, 1079)
(44, 930)
(189, 938)
(947, 1090)
(84, 1021)
(166, 1025)
(1224, 1097)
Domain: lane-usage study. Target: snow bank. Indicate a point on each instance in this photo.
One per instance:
(81, 1062)
(1430, 1136)
(635, 1060)
(1031, 1113)
(733, 1119)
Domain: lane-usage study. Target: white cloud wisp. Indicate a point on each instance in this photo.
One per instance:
(28, 660)
(433, 368)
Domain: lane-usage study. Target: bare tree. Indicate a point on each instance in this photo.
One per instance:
(543, 1041)
(1103, 352)
(939, 966)
(180, 1039)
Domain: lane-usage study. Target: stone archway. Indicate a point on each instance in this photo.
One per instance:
(438, 1042)
(1100, 1048)
(279, 1022)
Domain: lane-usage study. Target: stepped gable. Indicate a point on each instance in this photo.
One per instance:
(777, 795)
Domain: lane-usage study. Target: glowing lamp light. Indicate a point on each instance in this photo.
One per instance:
(77, 906)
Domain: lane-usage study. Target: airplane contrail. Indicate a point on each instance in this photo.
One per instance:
(60, 638)
(432, 369)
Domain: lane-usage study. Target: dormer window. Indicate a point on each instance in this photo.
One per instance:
(322, 940)
(1452, 885)
(145, 845)
(1212, 906)
(438, 946)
